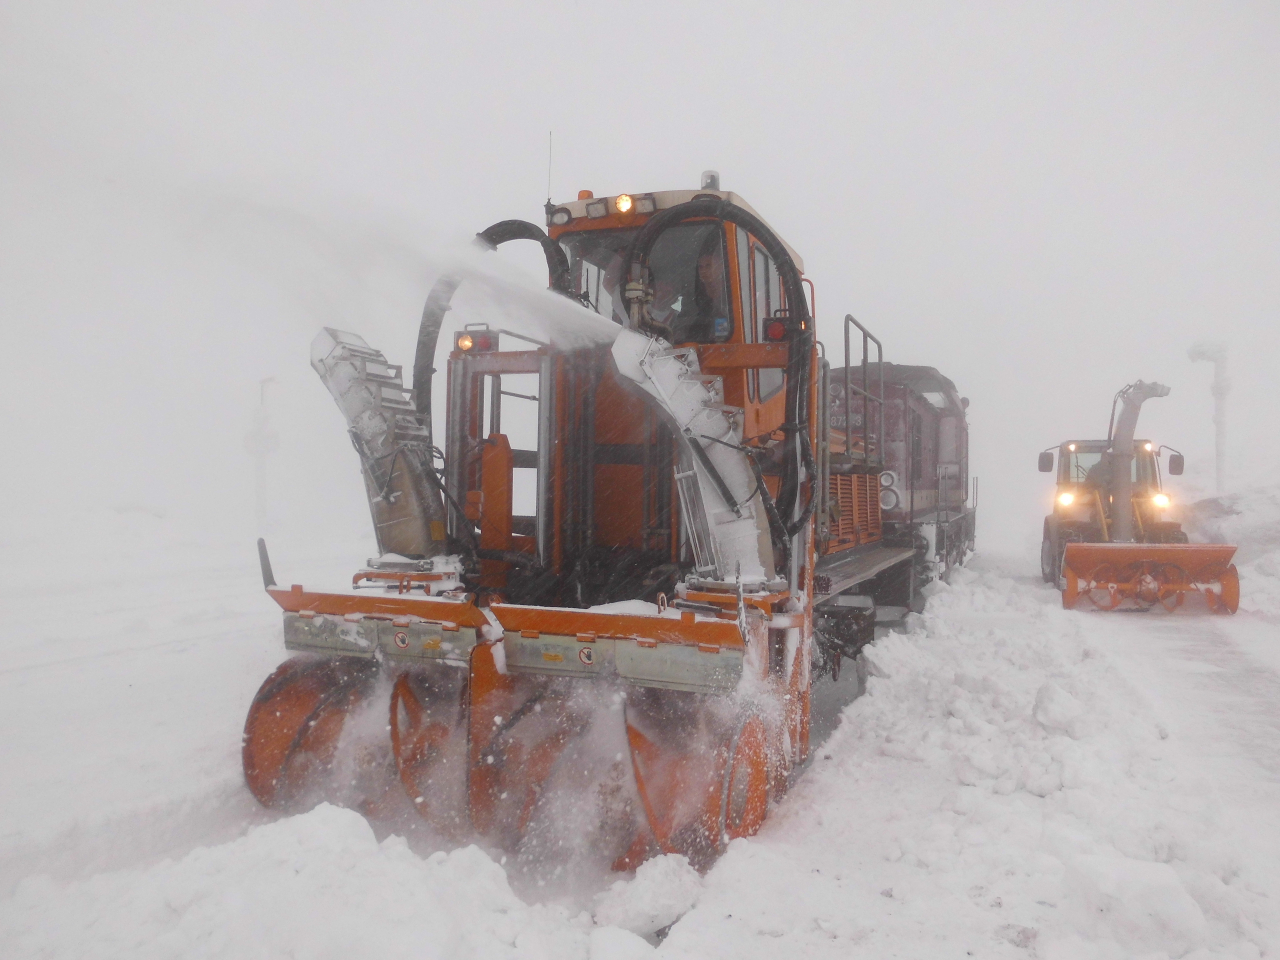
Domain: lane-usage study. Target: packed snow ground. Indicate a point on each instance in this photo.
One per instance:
(1017, 781)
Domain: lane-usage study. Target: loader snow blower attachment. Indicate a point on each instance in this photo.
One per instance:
(623, 667)
(1110, 542)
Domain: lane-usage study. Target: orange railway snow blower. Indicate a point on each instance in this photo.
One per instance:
(637, 649)
(1110, 540)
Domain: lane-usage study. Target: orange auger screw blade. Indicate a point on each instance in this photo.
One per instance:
(293, 726)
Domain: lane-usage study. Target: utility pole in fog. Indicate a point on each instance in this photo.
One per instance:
(261, 442)
(1216, 353)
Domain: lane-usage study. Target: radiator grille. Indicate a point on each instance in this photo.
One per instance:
(855, 510)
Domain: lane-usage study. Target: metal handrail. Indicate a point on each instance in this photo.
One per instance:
(867, 397)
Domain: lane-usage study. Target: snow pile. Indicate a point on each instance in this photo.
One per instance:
(1001, 790)
(1251, 520)
(663, 890)
(315, 885)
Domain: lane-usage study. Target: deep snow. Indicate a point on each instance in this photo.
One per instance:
(1016, 781)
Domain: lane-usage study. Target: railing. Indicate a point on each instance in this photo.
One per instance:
(867, 397)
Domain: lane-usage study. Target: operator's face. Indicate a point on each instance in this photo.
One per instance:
(711, 272)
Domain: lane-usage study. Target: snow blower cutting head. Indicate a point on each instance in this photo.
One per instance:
(1111, 537)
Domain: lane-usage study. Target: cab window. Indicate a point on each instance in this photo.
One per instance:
(766, 303)
(690, 282)
(744, 294)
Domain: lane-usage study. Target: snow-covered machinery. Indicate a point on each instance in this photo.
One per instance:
(624, 665)
(1111, 539)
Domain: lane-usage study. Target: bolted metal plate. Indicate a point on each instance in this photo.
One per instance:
(668, 666)
(408, 639)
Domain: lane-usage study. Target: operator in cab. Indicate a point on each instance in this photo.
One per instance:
(700, 315)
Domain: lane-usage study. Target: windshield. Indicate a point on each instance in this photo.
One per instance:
(1088, 466)
(690, 287)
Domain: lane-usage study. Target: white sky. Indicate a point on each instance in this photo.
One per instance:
(1045, 201)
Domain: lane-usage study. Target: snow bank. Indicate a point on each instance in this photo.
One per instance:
(317, 885)
(1251, 520)
(662, 891)
(1000, 790)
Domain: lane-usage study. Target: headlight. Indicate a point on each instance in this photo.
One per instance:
(560, 216)
(1161, 500)
(597, 209)
(623, 203)
(1066, 499)
(475, 341)
(888, 499)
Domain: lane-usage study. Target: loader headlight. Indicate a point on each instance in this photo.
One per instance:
(465, 342)
(597, 209)
(623, 203)
(1071, 447)
(1147, 447)
(1161, 500)
(560, 216)
(1066, 499)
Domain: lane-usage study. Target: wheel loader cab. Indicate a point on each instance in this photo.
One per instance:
(1084, 485)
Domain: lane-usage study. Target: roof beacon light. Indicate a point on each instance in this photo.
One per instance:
(623, 203)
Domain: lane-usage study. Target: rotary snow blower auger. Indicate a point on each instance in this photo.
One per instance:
(1110, 540)
(624, 669)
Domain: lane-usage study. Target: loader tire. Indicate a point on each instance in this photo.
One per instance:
(1050, 555)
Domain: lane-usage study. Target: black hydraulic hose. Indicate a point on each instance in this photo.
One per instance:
(557, 263)
(798, 322)
(718, 481)
(812, 469)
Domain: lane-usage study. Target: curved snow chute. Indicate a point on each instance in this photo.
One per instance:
(1112, 575)
(798, 323)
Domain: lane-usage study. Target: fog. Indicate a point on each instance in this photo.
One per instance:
(1045, 202)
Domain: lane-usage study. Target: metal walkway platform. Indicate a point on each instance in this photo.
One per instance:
(862, 563)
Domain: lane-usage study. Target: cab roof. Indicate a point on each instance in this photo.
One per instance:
(670, 198)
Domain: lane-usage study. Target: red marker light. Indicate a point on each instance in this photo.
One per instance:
(775, 330)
